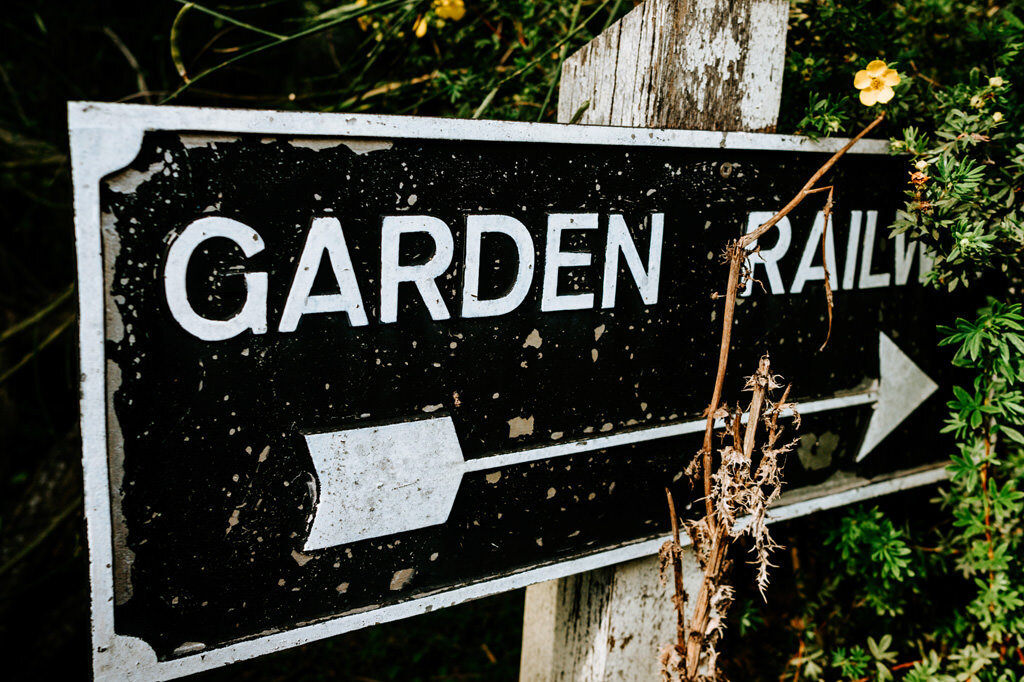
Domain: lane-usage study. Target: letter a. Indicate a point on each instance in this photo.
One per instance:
(324, 235)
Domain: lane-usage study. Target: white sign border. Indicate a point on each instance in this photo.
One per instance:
(106, 138)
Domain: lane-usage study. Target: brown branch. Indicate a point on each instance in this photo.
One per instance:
(988, 516)
(926, 79)
(737, 429)
(749, 238)
(760, 386)
(736, 253)
(702, 605)
(826, 213)
(723, 359)
(773, 421)
(677, 570)
(718, 533)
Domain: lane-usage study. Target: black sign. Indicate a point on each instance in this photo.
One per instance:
(341, 369)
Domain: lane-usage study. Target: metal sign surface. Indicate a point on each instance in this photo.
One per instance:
(340, 369)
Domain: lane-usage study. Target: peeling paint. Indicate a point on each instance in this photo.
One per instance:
(816, 453)
(111, 251)
(359, 146)
(233, 521)
(124, 557)
(189, 648)
(520, 426)
(190, 141)
(402, 578)
(300, 558)
(129, 180)
(533, 340)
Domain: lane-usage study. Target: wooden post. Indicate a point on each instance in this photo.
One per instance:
(693, 64)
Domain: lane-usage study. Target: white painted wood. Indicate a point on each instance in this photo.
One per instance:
(696, 64)
(93, 122)
(699, 64)
(612, 618)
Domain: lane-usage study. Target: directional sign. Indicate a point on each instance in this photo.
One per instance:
(340, 369)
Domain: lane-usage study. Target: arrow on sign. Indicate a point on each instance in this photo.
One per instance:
(380, 480)
(903, 387)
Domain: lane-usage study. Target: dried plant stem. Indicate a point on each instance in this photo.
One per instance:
(720, 539)
(826, 214)
(748, 239)
(737, 254)
(735, 267)
(702, 608)
(677, 571)
(756, 403)
(692, 637)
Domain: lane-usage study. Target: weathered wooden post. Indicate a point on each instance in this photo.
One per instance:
(691, 64)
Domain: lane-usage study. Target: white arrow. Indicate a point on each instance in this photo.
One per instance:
(903, 387)
(393, 478)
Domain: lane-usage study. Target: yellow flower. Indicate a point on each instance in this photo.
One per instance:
(363, 21)
(977, 102)
(875, 83)
(921, 165)
(439, 11)
(996, 81)
(997, 117)
(420, 27)
(450, 9)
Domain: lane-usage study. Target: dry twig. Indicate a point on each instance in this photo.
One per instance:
(736, 489)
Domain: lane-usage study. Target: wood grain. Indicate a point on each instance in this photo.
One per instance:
(694, 64)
